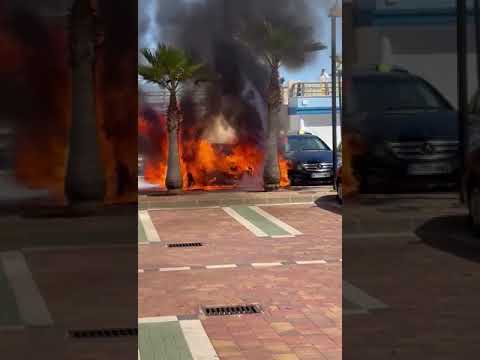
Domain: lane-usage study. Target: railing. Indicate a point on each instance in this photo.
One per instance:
(314, 89)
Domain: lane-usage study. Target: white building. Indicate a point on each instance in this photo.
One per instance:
(419, 35)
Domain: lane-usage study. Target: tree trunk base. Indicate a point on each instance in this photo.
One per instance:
(174, 191)
(271, 187)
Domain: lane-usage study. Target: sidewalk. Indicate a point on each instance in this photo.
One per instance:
(160, 199)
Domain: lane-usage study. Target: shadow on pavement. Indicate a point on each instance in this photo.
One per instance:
(460, 241)
(329, 203)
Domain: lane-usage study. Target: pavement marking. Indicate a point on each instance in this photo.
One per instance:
(150, 231)
(157, 319)
(235, 266)
(255, 230)
(10, 318)
(377, 235)
(260, 222)
(39, 249)
(289, 229)
(180, 268)
(197, 339)
(225, 266)
(267, 264)
(163, 341)
(361, 299)
(31, 305)
(311, 262)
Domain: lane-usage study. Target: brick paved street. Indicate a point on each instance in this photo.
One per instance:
(295, 278)
(417, 258)
(62, 274)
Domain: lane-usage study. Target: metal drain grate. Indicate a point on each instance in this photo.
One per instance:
(102, 333)
(231, 310)
(182, 245)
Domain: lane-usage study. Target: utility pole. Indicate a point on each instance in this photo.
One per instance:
(334, 13)
(462, 81)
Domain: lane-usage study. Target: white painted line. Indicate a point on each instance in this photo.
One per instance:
(378, 235)
(31, 305)
(181, 268)
(197, 340)
(255, 230)
(361, 298)
(40, 249)
(286, 204)
(150, 231)
(186, 208)
(267, 264)
(139, 357)
(141, 271)
(157, 319)
(276, 221)
(282, 236)
(12, 328)
(226, 266)
(310, 262)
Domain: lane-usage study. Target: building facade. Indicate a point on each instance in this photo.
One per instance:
(419, 35)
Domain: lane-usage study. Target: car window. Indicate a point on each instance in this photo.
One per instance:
(306, 143)
(383, 94)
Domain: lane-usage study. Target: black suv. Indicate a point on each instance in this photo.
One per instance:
(309, 159)
(410, 130)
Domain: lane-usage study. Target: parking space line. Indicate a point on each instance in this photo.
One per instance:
(254, 229)
(225, 266)
(361, 298)
(377, 235)
(197, 339)
(31, 305)
(180, 268)
(267, 264)
(260, 222)
(289, 229)
(150, 231)
(310, 262)
(10, 318)
(157, 319)
(243, 265)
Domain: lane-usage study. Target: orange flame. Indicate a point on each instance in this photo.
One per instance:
(204, 165)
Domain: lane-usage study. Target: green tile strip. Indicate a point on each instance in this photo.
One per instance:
(259, 221)
(9, 313)
(162, 341)
(142, 237)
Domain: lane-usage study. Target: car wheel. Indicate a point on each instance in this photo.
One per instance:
(339, 192)
(474, 207)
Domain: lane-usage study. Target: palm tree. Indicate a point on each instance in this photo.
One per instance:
(85, 178)
(170, 68)
(277, 43)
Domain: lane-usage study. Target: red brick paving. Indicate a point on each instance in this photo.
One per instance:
(221, 234)
(431, 285)
(302, 303)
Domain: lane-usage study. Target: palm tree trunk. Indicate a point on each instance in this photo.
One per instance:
(271, 171)
(85, 179)
(174, 181)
